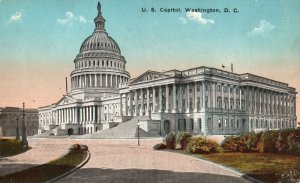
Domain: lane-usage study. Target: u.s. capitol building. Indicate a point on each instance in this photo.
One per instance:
(200, 100)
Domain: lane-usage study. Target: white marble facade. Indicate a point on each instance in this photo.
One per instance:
(199, 100)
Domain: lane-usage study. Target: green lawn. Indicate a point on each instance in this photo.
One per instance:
(45, 172)
(263, 166)
(10, 147)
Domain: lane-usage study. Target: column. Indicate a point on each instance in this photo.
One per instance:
(195, 98)
(240, 98)
(76, 115)
(131, 103)
(67, 115)
(116, 81)
(153, 100)
(136, 102)
(121, 105)
(214, 95)
(106, 80)
(96, 81)
(247, 99)
(167, 98)
(203, 94)
(111, 80)
(91, 114)
(180, 98)
(229, 100)
(188, 98)
(126, 104)
(148, 101)
(91, 80)
(234, 98)
(160, 99)
(142, 103)
(80, 116)
(101, 84)
(175, 109)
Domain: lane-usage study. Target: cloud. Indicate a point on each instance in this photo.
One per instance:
(71, 18)
(263, 28)
(16, 17)
(183, 20)
(195, 17)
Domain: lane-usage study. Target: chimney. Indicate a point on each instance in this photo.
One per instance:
(66, 85)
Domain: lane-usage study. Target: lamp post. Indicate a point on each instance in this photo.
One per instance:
(24, 138)
(17, 130)
(138, 132)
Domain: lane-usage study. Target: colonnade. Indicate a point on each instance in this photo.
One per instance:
(72, 115)
(97, 80)
(191, 97)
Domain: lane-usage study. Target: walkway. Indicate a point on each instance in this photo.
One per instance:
(124, 161)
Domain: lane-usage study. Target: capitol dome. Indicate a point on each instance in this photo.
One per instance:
(99, 66)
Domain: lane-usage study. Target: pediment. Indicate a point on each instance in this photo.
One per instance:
(66, 100)
(149, 76)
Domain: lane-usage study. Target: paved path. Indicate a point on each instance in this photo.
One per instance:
(123, 161)
(43, 151)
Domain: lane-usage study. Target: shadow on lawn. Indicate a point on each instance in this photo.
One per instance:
(146, 176)
(40, 173)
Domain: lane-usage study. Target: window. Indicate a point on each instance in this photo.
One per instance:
(218, 88)
(220, 124)
(225, 89)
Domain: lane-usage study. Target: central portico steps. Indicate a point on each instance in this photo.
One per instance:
(47, 133)
(126, 129)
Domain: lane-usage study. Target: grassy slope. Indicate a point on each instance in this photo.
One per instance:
(264, 166)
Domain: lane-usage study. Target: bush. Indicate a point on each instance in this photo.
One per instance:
(201, 145)
(183, 139)
(78, 147)
(159, 146)
(289, 141)
(267, 143)
(230, 144)
(170, 141)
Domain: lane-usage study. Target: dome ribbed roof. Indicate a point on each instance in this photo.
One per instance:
(100, 40)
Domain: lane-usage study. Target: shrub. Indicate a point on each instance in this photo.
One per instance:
(183, 139)
(230, 143)
(78, 148)
(201, 145)
(267, 143)
(170, 141)
(75, 147)
(159, 146)
(243, 143)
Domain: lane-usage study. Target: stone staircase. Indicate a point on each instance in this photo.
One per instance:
(126, 129)
(47, 133)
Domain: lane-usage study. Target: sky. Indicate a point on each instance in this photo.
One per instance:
(40, 39)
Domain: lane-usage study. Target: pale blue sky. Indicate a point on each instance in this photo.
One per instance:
(38, 38)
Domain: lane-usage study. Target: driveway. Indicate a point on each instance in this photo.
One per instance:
(124, 161)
